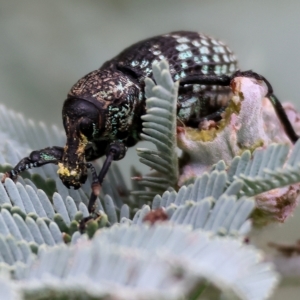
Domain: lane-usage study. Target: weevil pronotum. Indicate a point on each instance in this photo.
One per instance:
(101, 114)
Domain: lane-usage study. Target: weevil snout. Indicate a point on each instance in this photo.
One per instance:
(71, 177)
(78, 119)
(72, 170)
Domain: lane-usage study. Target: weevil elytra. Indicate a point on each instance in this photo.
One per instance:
(101, 114)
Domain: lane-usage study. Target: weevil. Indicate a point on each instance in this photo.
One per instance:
(102, 112)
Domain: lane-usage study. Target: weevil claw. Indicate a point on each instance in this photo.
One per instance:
(8, 175)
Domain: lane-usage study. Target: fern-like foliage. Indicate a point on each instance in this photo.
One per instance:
(38, 220)
(145, 262)
(208, 204)
(129, 259)
(159, 127)
(27, 213)
(268, 169)
(15, 253)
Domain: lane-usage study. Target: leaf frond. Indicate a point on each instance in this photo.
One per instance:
(131, 257)
(159, 127)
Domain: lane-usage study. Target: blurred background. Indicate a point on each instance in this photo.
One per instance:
(46, 46)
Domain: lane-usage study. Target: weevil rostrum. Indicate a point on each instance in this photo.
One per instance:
(101, 114)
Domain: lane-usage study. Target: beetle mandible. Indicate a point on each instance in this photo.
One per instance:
(101, 114)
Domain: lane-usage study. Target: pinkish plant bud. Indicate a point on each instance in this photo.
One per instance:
(249, 122)
(241, 128)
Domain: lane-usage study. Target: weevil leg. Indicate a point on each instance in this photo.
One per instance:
(216, 116)
(95, 181)
(115, 151)
(282, 116)
(280, 112)
(224, 80)
(37, 158)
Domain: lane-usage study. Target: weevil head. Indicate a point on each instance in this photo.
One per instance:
(100, 106)
(78, 119)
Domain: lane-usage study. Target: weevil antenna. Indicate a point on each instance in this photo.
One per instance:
(99, 180)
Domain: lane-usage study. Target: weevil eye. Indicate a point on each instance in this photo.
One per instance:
(86, 127)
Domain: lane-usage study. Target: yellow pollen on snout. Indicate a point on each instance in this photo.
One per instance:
(62, 170)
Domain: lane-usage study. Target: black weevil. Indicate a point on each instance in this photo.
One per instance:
(101, 114)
